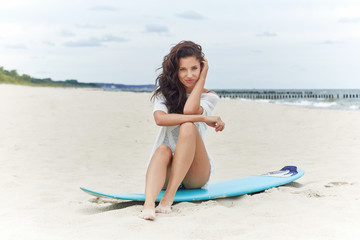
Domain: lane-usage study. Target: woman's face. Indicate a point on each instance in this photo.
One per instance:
(189, 72)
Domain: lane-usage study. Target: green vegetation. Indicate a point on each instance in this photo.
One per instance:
(12, 77)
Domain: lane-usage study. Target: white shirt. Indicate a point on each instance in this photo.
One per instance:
(169, 134)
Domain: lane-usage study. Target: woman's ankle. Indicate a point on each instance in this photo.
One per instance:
(149, 204)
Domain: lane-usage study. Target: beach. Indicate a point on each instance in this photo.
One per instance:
(55, 140)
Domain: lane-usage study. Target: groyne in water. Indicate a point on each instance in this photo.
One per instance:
(290, 94)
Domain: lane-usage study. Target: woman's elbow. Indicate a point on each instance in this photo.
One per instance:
(159, 118)
(158, 121)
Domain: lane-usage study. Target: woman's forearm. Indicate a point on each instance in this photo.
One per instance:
(192, 105)
(172, 119)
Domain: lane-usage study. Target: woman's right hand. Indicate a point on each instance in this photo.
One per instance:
(215, 122)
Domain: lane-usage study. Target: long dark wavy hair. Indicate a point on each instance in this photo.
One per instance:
(168, 81)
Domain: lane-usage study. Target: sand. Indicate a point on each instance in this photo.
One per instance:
(54, 140)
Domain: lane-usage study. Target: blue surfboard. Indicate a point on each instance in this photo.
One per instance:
(221, 189)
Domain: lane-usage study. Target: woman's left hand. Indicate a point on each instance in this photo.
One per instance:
(204, 70)
(215, 122)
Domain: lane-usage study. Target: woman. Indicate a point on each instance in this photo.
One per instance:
(183, 110)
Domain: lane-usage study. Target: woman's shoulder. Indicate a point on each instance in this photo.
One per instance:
(210, 96)
(208, 91)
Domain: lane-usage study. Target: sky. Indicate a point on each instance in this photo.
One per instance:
(262, 44)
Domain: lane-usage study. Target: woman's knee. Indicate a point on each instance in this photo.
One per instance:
(187, 127)
(162, 155)
(163, 150)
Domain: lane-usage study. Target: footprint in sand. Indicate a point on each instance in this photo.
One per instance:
(310, 193)
(337, 184)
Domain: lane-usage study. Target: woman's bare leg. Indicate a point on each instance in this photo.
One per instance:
(155, 179)
(189, 165)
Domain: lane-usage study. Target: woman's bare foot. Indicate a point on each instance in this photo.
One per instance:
(164, 207)
(148, 212)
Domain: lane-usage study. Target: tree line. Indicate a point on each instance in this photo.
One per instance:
(12, 77)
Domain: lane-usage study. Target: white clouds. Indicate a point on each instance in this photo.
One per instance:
(349, 20)
(95, 42)
(159, 29)
(191, 15)
(266, 34)
(16, 46)
(91, 42)
(66, 33)
(104, 8)
(256, 51)
(329, 42)
(90, 26)
(111, 38)
(48, 43)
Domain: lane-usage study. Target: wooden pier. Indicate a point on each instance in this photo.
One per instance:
(285, 94)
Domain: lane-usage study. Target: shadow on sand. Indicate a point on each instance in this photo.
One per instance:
(104, 205)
